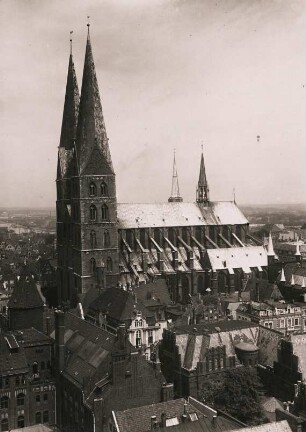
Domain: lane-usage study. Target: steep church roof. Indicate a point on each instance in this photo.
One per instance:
(91, 132)
(175, 214)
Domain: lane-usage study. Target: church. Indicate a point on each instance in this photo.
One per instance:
(197, 247)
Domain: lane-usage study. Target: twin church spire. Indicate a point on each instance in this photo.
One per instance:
(83, 127)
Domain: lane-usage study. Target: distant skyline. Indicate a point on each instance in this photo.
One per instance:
(172, 74)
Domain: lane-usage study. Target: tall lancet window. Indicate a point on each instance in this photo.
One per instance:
(104, 189)
(105, 212)
(109, 264)
(93, 212)
(93, 240)
(106, 239)
(93, 265)
(92, 189)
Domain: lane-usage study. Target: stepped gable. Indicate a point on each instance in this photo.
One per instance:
(25, 294)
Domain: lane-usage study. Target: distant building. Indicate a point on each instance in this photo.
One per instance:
(281, 316)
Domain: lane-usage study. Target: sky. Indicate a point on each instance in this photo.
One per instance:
(172, 74)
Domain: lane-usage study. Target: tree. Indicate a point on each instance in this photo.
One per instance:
(237, 392)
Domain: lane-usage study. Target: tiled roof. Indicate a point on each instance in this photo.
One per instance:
(281, 426)
(192, 346)
(31, 336)
(157, 291)
(178, 214)
(25, 294)
(238, 257)
(139, 419)
(13, 362)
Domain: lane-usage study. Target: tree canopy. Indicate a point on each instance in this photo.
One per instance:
(237, 392)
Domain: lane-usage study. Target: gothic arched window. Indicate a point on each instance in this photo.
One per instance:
(109, 264)
(106, 239)
(4, 425)
(35, 368)
(38, 417)
(92, 189)
(93, 240)
(20, 399)
(4, 402)
(104, 189)
(93, 212)
(138, 338)
(45, 416)
(93, 265)
(105, 213)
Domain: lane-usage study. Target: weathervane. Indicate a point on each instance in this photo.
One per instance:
(71, 31)
(88, 23)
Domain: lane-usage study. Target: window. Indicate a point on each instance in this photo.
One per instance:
(282, 323)
(37, 398)
(106, 239)
(138, 339)
(92, 189)
(35, 368)
(93, 212)
(93, 240)
(150, 337)
(20, 421)
(109, 264)
(46, 416)
(4, 402)
(17, 381)
(42, 365)
(104, 189)
(93, 265)
(20, 399)
(105, 213)
(45, 397)
(138, 323)
(38, 417)
(4, 424)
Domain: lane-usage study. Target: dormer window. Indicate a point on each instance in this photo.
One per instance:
(92, 189)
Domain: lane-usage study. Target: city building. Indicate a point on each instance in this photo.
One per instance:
(277, 315)
(194, 246)
(179, 414)
(190, 354)
(116, 306)
(98, 372)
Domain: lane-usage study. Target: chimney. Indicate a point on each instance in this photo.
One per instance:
(185, 408)
(163, 420)
(167, 392)
(59, 340)
(153, 422)
(184, 418)
(214, 420)
(121, 335)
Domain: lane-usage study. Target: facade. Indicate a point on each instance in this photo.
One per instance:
(116, 306)
(194, 246)
(27, 388)
(280, 316)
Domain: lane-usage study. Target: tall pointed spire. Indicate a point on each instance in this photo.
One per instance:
(282, 278)
(202, 189)
(71, 107)
(270, 251)
(92, 142)
(175, 189)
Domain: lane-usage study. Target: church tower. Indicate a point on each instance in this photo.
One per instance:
(66, 153)
(202, 188)
(92, 252)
